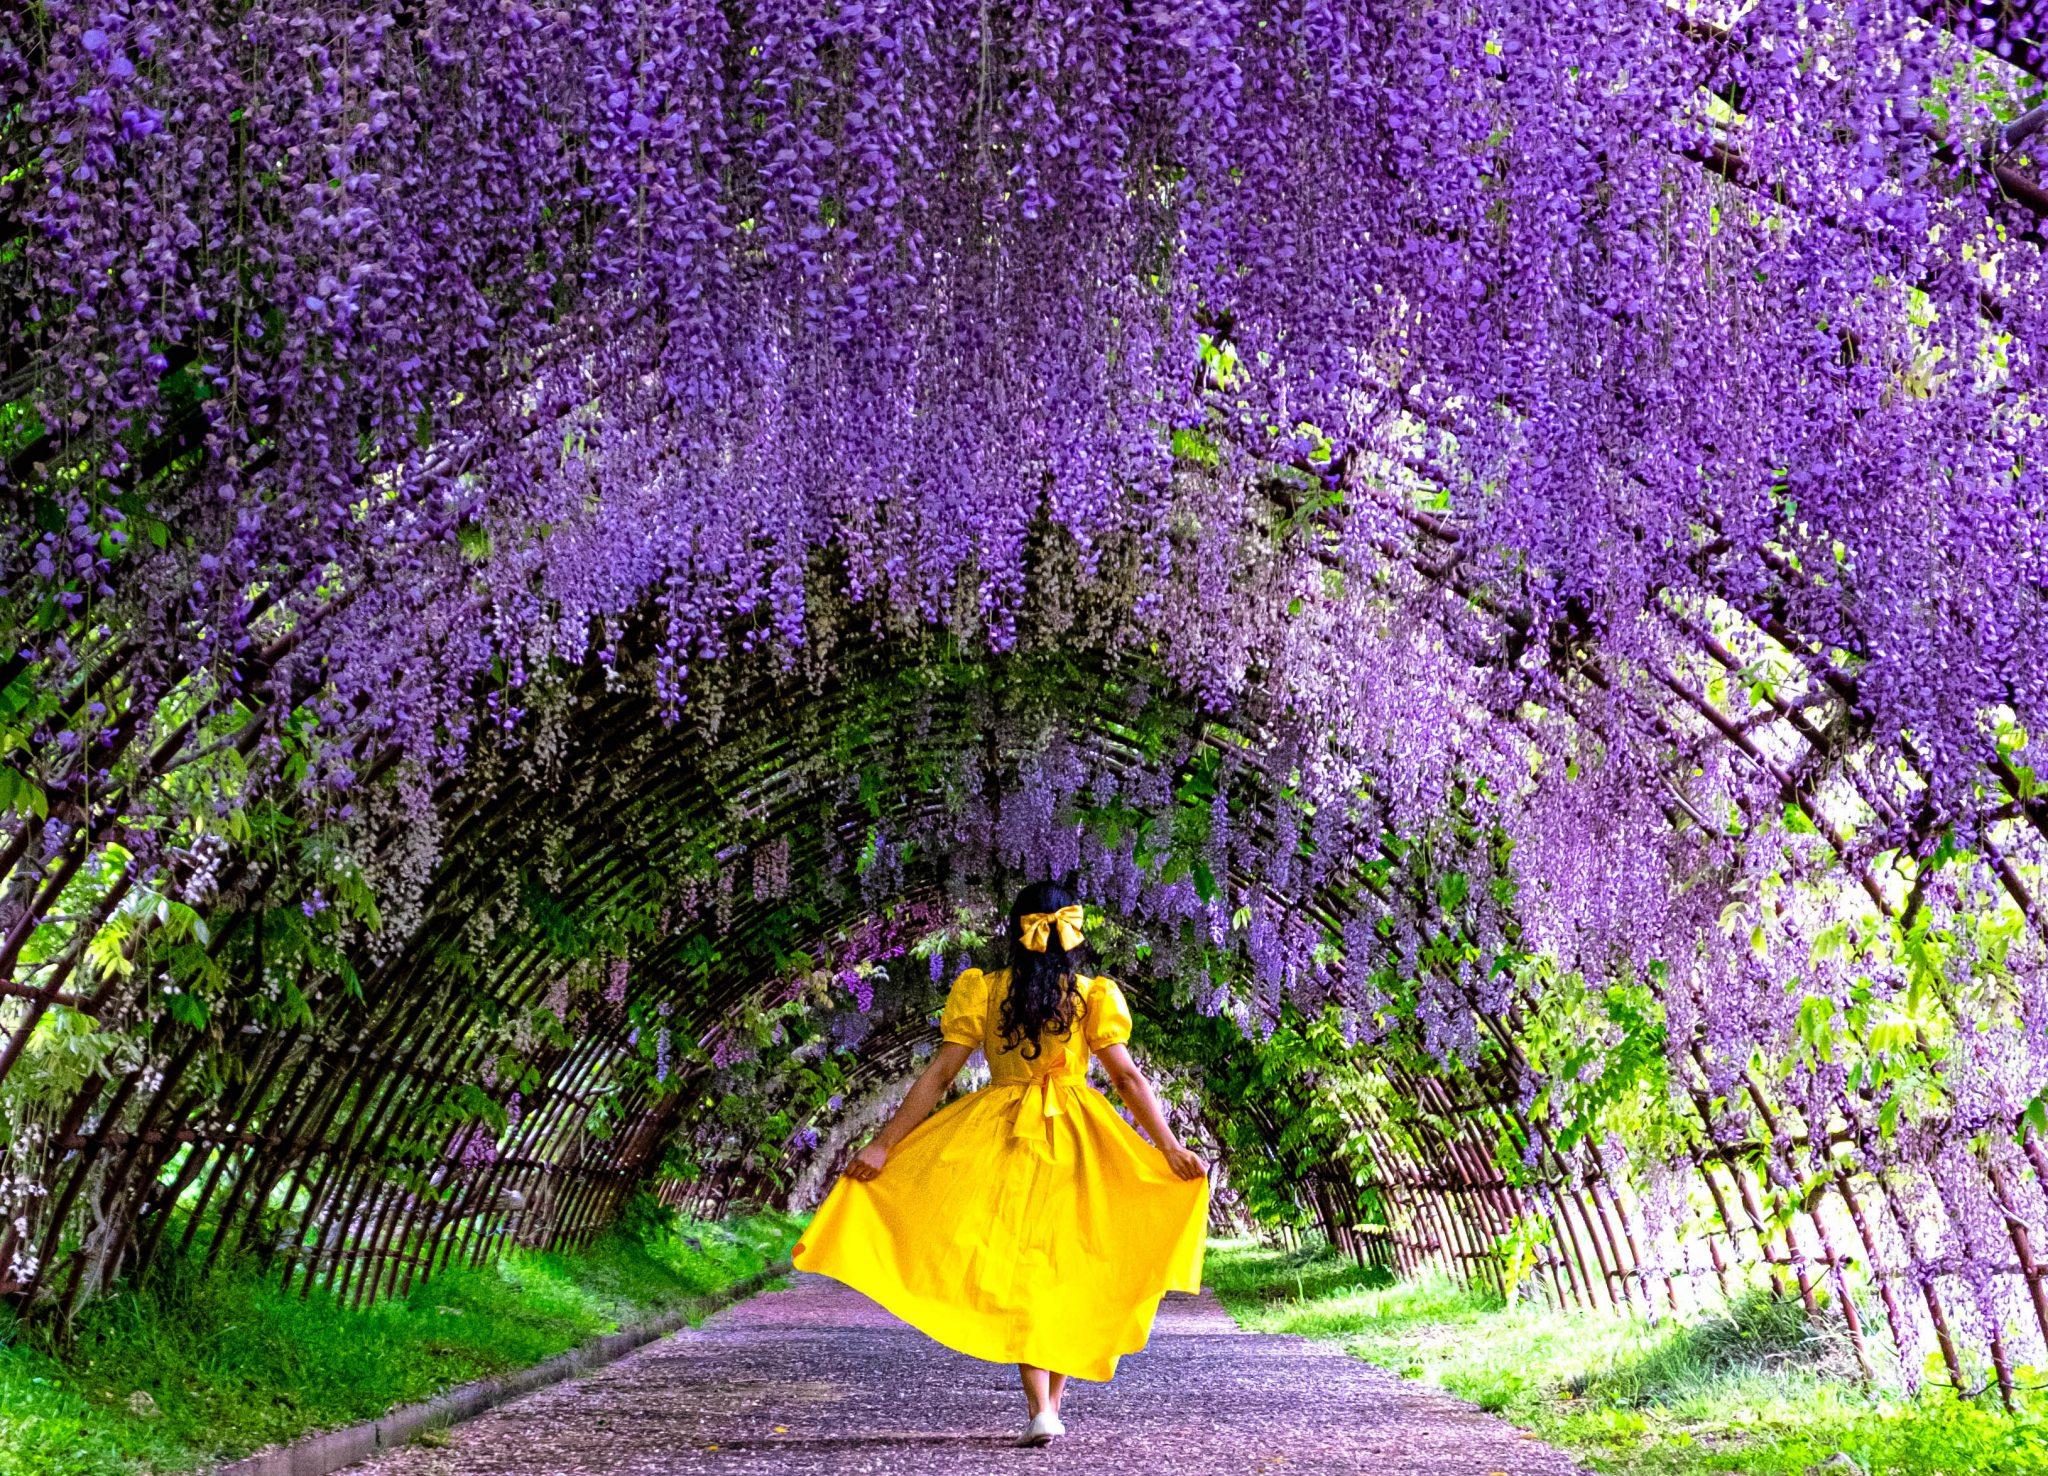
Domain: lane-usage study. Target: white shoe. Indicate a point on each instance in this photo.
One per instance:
(1044, 1425)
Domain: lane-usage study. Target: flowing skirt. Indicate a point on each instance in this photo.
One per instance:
(1023, 1223)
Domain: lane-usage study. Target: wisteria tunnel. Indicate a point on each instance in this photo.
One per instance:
(563, 562)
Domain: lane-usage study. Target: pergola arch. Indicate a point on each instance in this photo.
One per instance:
(394, 1055)
(354, 1214)
(688, 699)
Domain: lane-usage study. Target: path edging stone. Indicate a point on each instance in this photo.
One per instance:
(331, 1450)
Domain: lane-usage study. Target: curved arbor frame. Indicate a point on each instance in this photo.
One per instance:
(600, 917)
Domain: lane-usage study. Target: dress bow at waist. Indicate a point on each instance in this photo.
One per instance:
(1039, 1104)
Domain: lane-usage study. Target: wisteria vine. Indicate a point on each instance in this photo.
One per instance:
(1583, 456)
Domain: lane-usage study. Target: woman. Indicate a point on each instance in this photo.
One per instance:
(1027, 1223)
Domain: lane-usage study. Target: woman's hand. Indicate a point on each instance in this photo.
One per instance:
(868, 1162)
(916, 1106)
(1138, 1095)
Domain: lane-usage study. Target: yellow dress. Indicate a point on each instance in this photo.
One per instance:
(1026, 1222)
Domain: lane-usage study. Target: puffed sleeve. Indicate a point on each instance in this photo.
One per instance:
(1107, 1019)
(966, 1015)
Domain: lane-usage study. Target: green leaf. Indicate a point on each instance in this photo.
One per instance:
(1816, 1023)
(2036, 1115)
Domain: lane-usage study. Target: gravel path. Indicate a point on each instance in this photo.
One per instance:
(817, 1379)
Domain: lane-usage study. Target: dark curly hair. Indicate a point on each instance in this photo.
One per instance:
(1043, 995)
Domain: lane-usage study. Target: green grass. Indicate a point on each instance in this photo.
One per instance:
(229, 1363)
(1752, 1389)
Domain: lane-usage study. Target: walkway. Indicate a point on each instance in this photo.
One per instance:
(817, 1379)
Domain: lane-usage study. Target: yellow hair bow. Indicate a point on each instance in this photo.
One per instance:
(1037, 927)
